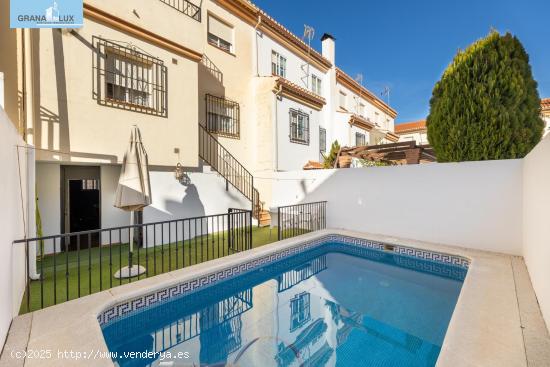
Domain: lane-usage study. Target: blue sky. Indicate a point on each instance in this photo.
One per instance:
(406, 44)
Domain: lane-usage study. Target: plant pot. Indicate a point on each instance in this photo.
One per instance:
(344, 161)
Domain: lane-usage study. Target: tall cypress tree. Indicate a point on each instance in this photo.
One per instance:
(486, 105)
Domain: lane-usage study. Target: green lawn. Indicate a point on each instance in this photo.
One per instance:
(97, 266)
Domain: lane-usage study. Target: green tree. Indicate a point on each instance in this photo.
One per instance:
(486, 105)
(330, 158)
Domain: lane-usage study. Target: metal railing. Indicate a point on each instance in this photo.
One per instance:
(186, 7)
(223, 162)
(222, 116)
(294, 220)
(73, 265)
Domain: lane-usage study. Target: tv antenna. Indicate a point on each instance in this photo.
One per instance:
(309, 32)
(386, 92)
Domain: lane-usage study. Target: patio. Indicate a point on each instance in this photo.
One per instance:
(496, 321)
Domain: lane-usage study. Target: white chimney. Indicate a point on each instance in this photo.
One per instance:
(328, 47)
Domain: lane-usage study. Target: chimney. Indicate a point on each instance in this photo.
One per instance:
(328, 47)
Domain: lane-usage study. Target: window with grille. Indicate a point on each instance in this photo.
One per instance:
(278, 64)
(129, 79)
(360, 140)
(222, 116)
(300, 311)
(361, 109)
(322, 140)
(316, 85)
(220, 34)
(299, 127)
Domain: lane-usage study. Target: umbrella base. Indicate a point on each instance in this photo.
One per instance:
(127, 272)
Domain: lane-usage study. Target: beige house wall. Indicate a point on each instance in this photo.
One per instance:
(10, 65)
(234, 81)
(70, 125)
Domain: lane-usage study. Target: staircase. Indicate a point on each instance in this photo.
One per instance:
(223, 162)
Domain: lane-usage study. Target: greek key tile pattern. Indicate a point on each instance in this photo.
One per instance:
(407, 255)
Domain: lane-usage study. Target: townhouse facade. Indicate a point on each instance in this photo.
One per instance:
(414, 130)
(206, 82)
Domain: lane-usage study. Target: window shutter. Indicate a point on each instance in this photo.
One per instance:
(220, 29)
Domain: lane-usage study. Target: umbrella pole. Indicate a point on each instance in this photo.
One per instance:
(131, 240)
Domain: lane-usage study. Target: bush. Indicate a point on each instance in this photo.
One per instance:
(330, 158)
(486, 105)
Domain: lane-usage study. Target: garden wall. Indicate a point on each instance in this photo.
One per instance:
(470, 204)
(16, 219)
(536, 222)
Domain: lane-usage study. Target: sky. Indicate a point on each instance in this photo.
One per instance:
(407, 44)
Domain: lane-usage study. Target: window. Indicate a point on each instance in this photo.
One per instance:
(300, 311)
(342, 99)
(89, 184)
(322, 140)
(360, 140)
(278, 64)
(299, 127)
(316, 85)
(361, 109)
(222, 116)
(129, 79)
(377, 118)
(220, 34)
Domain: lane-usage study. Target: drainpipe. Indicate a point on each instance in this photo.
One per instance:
(257, 52)
(277, 94)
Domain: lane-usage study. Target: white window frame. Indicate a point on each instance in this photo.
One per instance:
(278, 64)
(316, 85)
(342, 99)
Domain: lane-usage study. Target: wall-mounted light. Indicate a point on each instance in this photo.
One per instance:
(178, 172)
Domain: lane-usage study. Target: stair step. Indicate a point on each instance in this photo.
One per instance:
(265, 218)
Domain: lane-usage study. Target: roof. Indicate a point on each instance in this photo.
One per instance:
(343, 78)
(409, 127)
(545, 105)
(295, 92)
(257, 17)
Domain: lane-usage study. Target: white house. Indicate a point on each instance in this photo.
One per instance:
(414, 130)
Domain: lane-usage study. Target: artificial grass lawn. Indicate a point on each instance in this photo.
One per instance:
(96, 261)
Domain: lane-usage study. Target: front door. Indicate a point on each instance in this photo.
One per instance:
(81, 205)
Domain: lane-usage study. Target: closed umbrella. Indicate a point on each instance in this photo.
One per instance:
(133, 192)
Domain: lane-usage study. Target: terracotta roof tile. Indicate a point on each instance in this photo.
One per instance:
(412, 126)
(545, 105)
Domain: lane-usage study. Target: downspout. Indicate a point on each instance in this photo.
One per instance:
(277, 94)
(257, 52)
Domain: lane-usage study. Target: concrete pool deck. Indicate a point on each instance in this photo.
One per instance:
(496, 322)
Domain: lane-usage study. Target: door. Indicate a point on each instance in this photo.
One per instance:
(81, 204)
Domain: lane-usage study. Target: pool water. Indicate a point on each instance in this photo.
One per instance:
(331, 306)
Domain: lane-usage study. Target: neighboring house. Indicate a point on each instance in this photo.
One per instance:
(545, 110)
(415, 130)
(212, 83)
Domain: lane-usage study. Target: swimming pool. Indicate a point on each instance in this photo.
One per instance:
(337, 301)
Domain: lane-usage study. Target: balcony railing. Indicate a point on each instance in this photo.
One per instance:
(186, 7)
(73, 265)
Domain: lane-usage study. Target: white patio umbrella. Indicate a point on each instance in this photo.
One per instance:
(133, 192)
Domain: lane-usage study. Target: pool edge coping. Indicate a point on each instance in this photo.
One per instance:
(42, 336)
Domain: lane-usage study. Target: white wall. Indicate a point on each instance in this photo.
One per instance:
(203, 194)
(470, 204)
(16, 197)
(292, 155)
(536, 222)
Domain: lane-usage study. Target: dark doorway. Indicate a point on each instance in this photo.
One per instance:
(81, 205)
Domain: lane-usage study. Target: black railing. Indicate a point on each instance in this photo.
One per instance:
(294, 220)
(223, 162)
(186, 7)
(73, 265)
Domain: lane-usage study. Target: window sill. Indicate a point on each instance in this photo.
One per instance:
(301, 142)
(221, 49)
